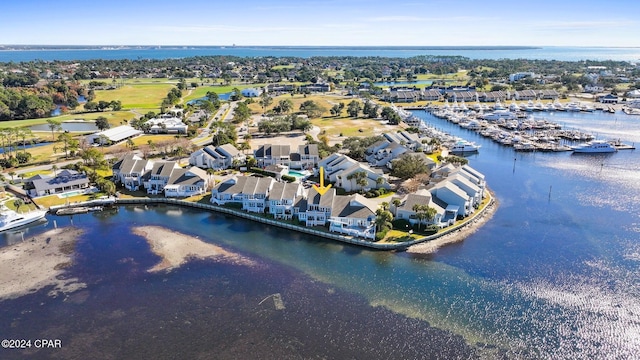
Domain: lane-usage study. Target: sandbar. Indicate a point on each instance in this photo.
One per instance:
(459, 235)
(37, 262)
(176, 248)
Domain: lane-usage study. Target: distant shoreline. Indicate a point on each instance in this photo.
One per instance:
(20, 47)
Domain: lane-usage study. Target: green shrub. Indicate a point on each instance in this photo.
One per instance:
(401, 224)
(288, 178)
(381, 234)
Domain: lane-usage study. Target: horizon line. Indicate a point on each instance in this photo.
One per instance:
(315, 46)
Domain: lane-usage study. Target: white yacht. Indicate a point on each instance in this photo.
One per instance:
(464, 146)
(499, 114)
(10, 219)
(594, 146)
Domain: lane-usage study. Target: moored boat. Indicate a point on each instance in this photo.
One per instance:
(464, 146)
(594, 146)
(10, 219)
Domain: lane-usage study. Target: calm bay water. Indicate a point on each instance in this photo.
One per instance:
(541, 53)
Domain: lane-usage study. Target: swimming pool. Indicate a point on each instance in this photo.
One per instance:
(71, 193)
(298, 174)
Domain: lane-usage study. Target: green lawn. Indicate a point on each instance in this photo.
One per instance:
(201, 91)
(146, 97)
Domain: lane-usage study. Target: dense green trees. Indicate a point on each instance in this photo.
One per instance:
(409, 165)
(280, 124)
(102, 123)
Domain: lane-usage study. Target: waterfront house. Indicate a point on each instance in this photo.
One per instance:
(156, 178)
(525, 95)
(316, 210)
(493, 96)
(282, 199)
(409, 140)
(457, 200)
(431, 95)
(608, 99)
(217, 158)
(547, 94)
(353, 215)
(471, 189)
(250, 191)
(129, 171)
(64, 181)
(186, 182)
(405, 210)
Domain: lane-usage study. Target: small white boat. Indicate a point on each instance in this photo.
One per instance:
(10, 219)
(594, 146)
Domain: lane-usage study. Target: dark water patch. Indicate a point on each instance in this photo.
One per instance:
(221, 311)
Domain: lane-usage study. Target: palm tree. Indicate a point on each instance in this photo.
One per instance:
(18, 203)
(424, 212)
(12, 174)
(360, 177)
(55, 168)
(244, 146)
(130, 144)
(383, 219)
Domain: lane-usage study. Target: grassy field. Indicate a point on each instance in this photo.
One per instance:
(144, 97)
(201, 91)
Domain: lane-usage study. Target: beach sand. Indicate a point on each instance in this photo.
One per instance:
(176, 249)
(38, 262)
(459, 235)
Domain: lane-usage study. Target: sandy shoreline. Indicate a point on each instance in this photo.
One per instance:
(176, 248)
(38, 262)
(459, 235)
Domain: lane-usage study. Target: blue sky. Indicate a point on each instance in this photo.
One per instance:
(346, 22)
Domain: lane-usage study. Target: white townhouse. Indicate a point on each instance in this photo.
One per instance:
(307, 157)
(341, 170)
(129, 171)
(269, 154)
(158, 177)
(250, 191)
(186, 182)
(456, 199)
(422, 197)
(353, 215)
(409, 140)
(218, 158)
(317, 209)
(282, 199)
(468, 187)
(382, 152)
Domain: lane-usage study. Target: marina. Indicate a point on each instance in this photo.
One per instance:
(519, 130)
